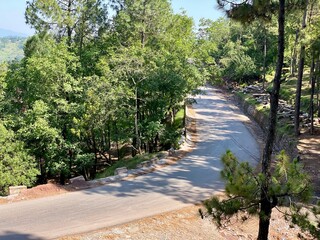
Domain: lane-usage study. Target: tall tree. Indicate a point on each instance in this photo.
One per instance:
(44, 97)
(17, 166)
(141, 22)
(247, 11)
(268, 203)
(65, 18)
(80, 21)
(300, 76)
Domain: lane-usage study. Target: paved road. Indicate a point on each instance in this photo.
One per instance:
(196, 177)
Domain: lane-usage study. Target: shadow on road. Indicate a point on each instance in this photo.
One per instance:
(197, 176)
(18, 236)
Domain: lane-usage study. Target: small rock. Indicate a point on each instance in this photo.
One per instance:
(122, 170)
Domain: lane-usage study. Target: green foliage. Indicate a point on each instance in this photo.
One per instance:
(307, 217)
(170, 138)
(17, 166)
(128, 163)
(84, 86)
(238, 66)
(178, 119)
(44, 140)
(239, 177)
(235, 52)
(289, 178)
(288, 183)
(11, 48)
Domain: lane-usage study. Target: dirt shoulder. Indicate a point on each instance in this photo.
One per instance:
(186, 223)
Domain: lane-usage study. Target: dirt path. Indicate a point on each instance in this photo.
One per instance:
(309, 150)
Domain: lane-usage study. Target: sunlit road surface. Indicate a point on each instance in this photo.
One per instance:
(195, 178)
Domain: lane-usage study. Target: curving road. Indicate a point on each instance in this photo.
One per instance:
(196, 177)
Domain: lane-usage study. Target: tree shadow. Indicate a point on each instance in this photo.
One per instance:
(8, 235)
(197, 176)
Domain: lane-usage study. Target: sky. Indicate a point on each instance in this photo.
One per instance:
(12, 12)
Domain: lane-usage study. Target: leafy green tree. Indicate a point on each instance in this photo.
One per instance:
(84, 85)
(43, 140)
(153, 59)
(81, 22)
(236, 52)
(42, 97)
(17, 166)
(233, 64)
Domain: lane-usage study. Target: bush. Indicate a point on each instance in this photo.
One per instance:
(170, 138)
(238, 66)
(17, 167)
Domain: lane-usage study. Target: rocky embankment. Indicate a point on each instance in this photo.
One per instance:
(285, 115)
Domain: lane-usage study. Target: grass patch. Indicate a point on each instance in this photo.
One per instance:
(248, 98)
(263, 109)
(130, 163)
(288, 91)
(285, 127)
(178, 120)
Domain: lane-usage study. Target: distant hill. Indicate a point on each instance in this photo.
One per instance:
(9, 33)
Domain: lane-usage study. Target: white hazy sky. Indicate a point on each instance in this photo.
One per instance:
(12, 12)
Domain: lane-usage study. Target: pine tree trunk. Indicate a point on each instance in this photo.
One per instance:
(265, 207)
(312, 78)
(69, 29)
(185, 118)
(318, 89)
(298, 91)
(264, 58)
(300, 76)
(293, 64)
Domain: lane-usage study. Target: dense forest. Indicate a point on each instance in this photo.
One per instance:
(98, 75)
(89, 84)
(11, 48)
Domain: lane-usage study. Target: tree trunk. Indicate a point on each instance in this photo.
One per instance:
(69, 29)
(318, 99)
(185, 118)
(109, 134)
(293, 63)
(117, 139)
(317, 79)
(313, 83)
(43, 173)
(264, 58)
(265, 207)
(136, 126)
(300, 76)
(298, 92)
(94, 168)
(143, 32)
